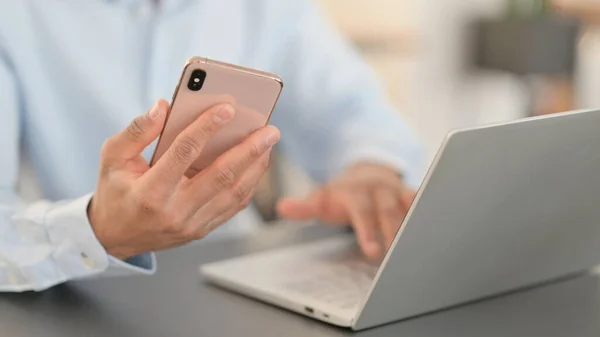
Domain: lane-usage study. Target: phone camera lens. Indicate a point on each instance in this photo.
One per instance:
(197, 80)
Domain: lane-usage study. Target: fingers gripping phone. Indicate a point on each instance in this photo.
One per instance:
(205, 83)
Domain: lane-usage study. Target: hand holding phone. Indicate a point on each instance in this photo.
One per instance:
(137, 208)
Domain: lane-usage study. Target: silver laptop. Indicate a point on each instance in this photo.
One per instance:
(503, 207)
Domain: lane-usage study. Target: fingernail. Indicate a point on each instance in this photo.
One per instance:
(154, 112)
(224, 114)
(272, 137)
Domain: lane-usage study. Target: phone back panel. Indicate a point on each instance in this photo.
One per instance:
(252, 93)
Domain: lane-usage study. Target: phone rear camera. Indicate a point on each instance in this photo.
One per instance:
(197, 80)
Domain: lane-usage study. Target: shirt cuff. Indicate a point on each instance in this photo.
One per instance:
(78, 253)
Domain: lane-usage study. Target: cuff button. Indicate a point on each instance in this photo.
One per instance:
(87, 261)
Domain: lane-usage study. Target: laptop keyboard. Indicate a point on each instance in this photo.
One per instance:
(341, 283)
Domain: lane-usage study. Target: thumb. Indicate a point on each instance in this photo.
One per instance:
(141, 132)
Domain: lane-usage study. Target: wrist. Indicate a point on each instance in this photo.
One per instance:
(110, 245)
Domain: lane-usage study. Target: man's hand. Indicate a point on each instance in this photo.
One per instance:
(138, 209)
(371, 197)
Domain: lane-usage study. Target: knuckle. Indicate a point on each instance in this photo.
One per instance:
(105, 150)
(108, 153)
(105, 166)
(389, 209)
(241, 192)
(211, 226)
(199, 235)
(190, 233)
(254, 152)
(172, 223)
(135, 129)
(387, 204)
(187, 149)
(208, 129)
(225, 177)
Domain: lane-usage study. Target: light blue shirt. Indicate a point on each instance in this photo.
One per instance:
(73, 73)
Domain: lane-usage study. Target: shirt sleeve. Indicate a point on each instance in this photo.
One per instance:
(44, 243)
(333, 112)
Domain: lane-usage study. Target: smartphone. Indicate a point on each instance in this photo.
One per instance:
(205, 83)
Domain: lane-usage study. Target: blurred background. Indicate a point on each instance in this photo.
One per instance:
(457, 63)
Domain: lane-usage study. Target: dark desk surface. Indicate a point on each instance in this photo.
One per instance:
(176, 303)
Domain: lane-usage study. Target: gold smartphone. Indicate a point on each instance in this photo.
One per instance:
(205, 83)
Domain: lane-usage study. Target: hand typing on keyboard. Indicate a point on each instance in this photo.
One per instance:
(372, 197)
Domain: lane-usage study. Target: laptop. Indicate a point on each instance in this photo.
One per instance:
(502, 208)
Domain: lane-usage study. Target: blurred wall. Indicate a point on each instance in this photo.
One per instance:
(451, 93)
(456, 96)
(420, 50)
